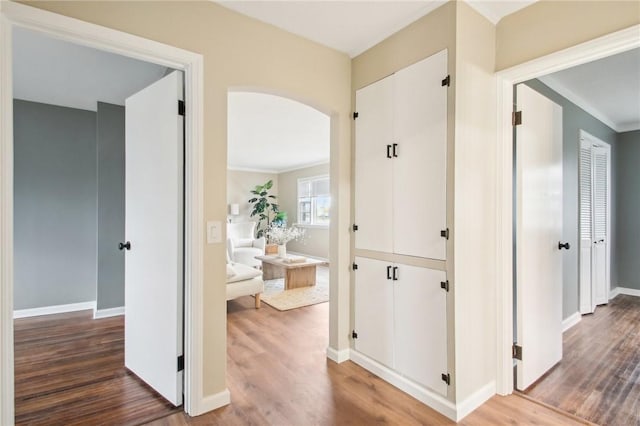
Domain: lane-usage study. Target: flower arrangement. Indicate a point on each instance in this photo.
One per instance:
(282, 235)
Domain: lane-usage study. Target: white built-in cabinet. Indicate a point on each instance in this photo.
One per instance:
(401, 161)
(400, 194)
(401, 319)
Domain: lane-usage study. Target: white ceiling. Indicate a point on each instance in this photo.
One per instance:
(356, 25)
(608, 89)
(56, 72)
(273, 134)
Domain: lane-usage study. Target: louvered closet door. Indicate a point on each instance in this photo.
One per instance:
(587, 302)
(373, 167)
(420, 168)
(600, 225)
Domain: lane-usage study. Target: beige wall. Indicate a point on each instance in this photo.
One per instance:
(475, 223)
(316, 241)
(549, 26)
(241, 52)
(239, 183)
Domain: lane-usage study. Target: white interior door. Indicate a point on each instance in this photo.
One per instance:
(601, 196)
(154, 228)
(538, 233)
(373, 310)
(420, 163)
(587, 301)
(373, 166)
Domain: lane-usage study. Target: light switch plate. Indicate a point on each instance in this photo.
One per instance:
(214, 232)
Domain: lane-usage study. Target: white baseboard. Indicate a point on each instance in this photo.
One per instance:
(624, 290)
(338, 356)
(57, 309)
(212, 402)
(433, 400)
(476, 399)
(572, 320)
(106, 313)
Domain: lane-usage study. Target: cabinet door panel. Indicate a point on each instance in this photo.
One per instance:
(420, 170)
(420, 326)
(373, 200)
(374, 310)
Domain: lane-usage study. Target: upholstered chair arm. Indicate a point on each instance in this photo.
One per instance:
(230, 249)
(260, 243)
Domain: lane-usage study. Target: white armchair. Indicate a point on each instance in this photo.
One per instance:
(242, 245)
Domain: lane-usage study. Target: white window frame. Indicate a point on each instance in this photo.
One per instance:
(313, 204)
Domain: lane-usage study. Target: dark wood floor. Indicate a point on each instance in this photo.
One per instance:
(598, 378)
(278, 374)
(69, 370)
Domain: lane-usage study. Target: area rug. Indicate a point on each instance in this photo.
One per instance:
(283, 300)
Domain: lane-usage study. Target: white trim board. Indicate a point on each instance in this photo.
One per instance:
(601, 47)
(430, 398)
(570, 321)
(623, 290)
(338, 356)
(109, 312)
(55, 309)
(192, 64)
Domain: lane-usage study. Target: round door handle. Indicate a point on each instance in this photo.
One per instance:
(563, 246)
(123, 246)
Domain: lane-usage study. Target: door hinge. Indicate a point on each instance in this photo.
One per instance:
(181, 363)
(180, 107)
(354, 227)
(354, 335)
(446, 81)
(516, 118)
(444, 285)
(446, 378)
(516, 352)
(354, 266)
(355, 115)
(445, 233)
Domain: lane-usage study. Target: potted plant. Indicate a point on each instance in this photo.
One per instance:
(264, 206)
(281, 235)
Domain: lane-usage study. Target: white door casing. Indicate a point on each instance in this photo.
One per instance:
(420, 168)
(373, 170)
(538, 234)
(154, 227)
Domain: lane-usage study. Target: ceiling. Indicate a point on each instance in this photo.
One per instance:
(608, 89)
(56, 72)
(356, 25)
(273, 134)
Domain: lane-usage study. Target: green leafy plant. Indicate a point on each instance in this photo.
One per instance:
(264, 207)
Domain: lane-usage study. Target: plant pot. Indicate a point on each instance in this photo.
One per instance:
(282, 250)
(271, 249)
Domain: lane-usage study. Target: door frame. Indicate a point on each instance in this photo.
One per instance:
(113, 41)
(610, 44)
(583, 134)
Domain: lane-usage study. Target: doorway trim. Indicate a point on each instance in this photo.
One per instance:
(121, 43)
(601, 47)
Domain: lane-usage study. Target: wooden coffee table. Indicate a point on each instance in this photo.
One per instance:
(301, 274)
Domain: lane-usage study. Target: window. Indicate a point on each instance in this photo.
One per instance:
(314, 201)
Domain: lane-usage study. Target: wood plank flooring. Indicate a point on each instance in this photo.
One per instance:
(69, 370)
(598, 378)
(278, 374)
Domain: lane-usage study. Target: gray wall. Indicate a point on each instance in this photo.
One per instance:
(54, 205)
(575, 119)
(111, 213)
(627, 211)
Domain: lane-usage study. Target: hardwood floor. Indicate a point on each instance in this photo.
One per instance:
(598, 378)
(69, 370)
(278, 374)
